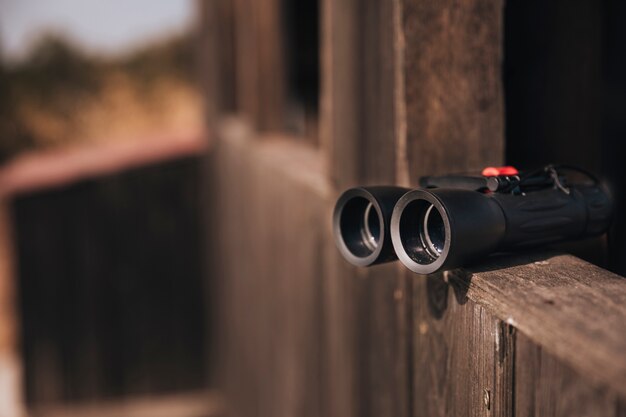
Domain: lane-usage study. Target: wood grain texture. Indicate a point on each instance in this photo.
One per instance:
(544, 386)
(454, 95)
(460, 355)
(273, 231)
(572, 309)
(261, 80)
(359, 91)
(359, 115)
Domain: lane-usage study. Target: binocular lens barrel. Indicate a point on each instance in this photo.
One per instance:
(433, 229)
(445, 228)
(361, 224)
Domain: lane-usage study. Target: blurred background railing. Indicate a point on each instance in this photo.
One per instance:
(104, 300)
(108, 271)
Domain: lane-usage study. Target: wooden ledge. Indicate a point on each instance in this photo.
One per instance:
(573, 309)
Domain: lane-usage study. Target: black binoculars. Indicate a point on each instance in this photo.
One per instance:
(454, 220)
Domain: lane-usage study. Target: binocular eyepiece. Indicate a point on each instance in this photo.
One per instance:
(438, 228)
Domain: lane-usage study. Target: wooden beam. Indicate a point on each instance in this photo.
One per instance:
(453, 84)
(545, 386)
(452, 120)
(261, 79)
(574, 310)
(361, 109)
(216, 58)
(273, 229)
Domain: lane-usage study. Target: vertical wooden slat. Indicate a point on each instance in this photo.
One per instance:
(216, 57)
(454, 122)
(454, 95)
(544, 387)
(271, 251)
(359, 117)
(340, 91)
(462, 354)
(261, 79)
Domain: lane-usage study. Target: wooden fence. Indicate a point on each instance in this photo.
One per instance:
(408, 88)
(103, 292)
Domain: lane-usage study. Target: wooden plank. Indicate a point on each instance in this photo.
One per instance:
(453, 117)
(463, 356)
(340, 91)
(360, 91)
(273, 231)
(261, 80)
(572, 309)
(544, 386)
(360, 110)
(454, 94)
(216, 58)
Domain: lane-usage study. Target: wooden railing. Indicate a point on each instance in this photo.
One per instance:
(102, 280)
(303, 333)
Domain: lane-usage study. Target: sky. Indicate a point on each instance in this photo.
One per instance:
(102, 26)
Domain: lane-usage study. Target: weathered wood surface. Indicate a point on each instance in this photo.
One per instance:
(360, 108)
(360, 94)
(453, 82)
(272, 226)
(462, 362)
(261, 79)
(458, 346)
(408, 88)
(545, 386)
(571, 308)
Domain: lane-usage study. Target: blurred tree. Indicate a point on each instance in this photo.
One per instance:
(59, 94)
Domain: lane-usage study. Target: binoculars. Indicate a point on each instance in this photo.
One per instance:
(454, 220)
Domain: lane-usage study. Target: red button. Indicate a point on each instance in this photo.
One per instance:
(495, 171)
